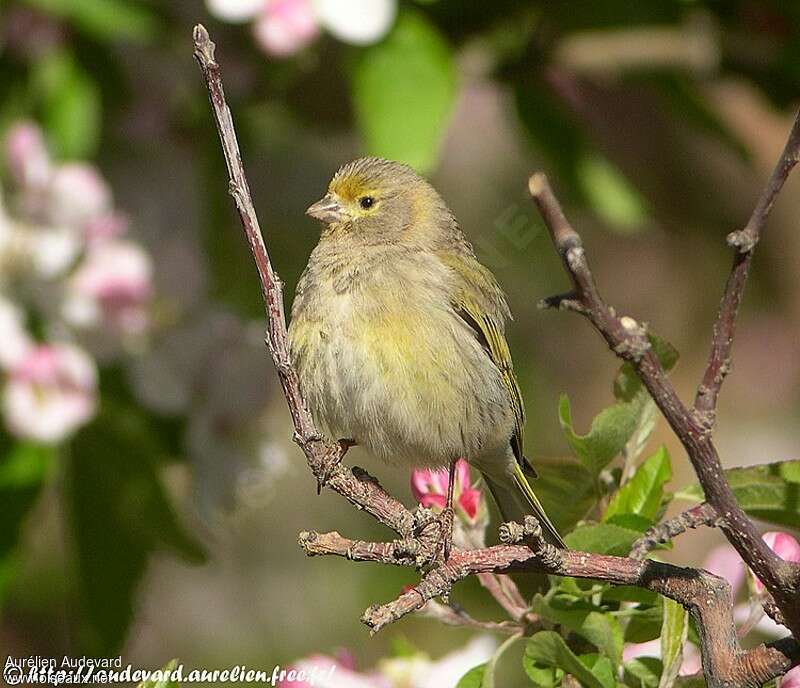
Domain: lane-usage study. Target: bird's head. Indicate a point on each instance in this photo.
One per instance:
(378, 200)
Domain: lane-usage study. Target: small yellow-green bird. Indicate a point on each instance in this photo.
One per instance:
(397, 334)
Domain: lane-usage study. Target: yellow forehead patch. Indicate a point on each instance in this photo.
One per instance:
(350, 188)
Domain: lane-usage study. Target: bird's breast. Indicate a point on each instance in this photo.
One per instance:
(394, 368)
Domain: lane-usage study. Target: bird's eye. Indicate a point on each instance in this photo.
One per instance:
(366, 202)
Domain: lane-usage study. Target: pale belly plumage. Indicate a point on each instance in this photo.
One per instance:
(407, 380)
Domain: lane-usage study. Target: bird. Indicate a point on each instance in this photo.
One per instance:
(397, 334)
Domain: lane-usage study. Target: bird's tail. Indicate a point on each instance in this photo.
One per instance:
(516, 500)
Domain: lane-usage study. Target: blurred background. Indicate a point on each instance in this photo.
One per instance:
(150, 495)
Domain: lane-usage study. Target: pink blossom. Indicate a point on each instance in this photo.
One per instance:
(791, 679)
(430, 490)
(107, 226)
(111, 287)
(286, 26)
(785, 546)
(50, 392)
(78, 193)
(725, 561)
(26, 153)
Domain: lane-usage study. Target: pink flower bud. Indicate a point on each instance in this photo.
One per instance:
(78, 193)
(111, 288)
(26, 154)
(50, 393)
(430, 490)
(791, 679)
(785, 546)
(286, 26)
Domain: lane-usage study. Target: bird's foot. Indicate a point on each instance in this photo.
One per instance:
(331, 461)
(445, 543)
(435, 534)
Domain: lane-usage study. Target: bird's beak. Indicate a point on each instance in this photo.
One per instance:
(327, 210)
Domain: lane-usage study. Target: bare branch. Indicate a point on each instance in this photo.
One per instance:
(707, 597)
(701, 515)
(628, 340)
(743, 242)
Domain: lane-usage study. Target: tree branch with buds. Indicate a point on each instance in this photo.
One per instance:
(707, 598)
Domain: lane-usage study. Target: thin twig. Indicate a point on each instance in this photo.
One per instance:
(628, 339)
(700, 515)
(743, 242)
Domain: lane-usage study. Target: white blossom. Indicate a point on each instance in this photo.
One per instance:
(50, 392)
(359, 22)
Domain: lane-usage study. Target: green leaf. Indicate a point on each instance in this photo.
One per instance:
(602, 538)
(610, 431)
(23, 470)
(567, 490)
(615, 426)
(610, 194)
(547, 648)
(71, 105)
(769, 492)
(644, 623)
(627, 383)
(674, 629)
(601, 667)
(108, 20)
(600, 629)
(543, 677)
(119, 514)
(165, 678)
(643, 493)
(644, 672)
(403, 91)
(473, 678)
(488, 679)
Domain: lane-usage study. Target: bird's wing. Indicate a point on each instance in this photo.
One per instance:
(480, 302)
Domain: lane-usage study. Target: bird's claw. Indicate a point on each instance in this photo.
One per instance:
(437, 546)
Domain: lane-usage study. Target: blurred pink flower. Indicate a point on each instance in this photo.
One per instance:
(285, 27)
(50, 392)
(359, 22)
(111, 288)
(14, 340)
(26, 154)
(791, 679)
(107, 226)
(785, 546)
(724, 561)
(430, 490)
(78, 193)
